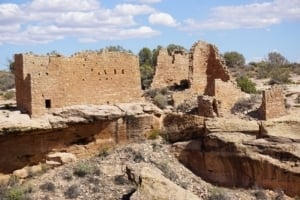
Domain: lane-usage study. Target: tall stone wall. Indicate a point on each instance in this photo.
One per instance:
(273, 104)
(170, 69)
(205, 71)
(46, 82)
(206, 65)
(200, 67)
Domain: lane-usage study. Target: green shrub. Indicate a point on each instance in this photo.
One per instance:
(160, 100)
(9, 95)
(104, 152)
(19, 192)
(82, 170)
(246, 85)
(280, 75)
(72, 192)
(218, 194)
(164, 91)
(260, 195)
(6, 80)
(153, 134)
(48, 186)
(15, 193)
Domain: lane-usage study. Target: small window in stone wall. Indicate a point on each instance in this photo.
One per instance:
(48, 103)
(123, 71)
(115, 71)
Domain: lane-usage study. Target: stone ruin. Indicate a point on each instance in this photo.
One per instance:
(202, 71)
(47, 82)
(273, 103)
(44, 83)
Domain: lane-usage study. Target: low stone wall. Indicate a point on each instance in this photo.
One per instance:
(273, 103)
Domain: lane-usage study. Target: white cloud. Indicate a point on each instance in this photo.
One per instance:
(146, 1)
(130, 9)
(255, 15)
(162, 19)
(64, 5)
(42, 21)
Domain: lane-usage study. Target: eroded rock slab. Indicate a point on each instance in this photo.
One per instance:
(238, 160)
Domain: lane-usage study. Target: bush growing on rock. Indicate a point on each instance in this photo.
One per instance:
(48, 186)
(160, 100)
(72, 192)
(246, 85)
(82, 170)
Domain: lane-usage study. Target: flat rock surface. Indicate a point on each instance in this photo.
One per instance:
(12, 120)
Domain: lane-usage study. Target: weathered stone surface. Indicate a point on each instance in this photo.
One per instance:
(225, 125)
(4, 179)
(27, 171)
(179, 127)
(81, 130)
(281, 128)
(61, 157)
(239, 160)
(170, 69)
(208, 106)
(203, 71)
(153, 185)
(273, 104)
(46, 82)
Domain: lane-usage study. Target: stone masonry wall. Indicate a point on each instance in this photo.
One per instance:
(46, 82)
(205, 71)
(227, 93)
(273, 104)
(170, 69)
(206, 65)
(200, 67)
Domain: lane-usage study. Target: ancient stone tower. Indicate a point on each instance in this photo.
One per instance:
(204, 71)
(47, 82)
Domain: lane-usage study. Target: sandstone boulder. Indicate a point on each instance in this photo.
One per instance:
(27, 171)
(231, 125)
(180, 127)
(61, 157)
(153, 185)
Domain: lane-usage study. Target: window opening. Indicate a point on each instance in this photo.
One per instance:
(48, 103)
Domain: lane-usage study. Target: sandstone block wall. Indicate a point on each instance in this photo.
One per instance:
(200, 67)
(170, 69)
(273, 104)
(206, 65)
(47, 82)
(228, 93)
(205, 71)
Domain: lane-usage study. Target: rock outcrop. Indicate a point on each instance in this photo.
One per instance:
(180, 127)
(81, 130)
(230, 154)
(153, 185)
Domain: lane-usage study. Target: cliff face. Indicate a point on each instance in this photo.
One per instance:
(231, 155)
(81, 130)
(228, 152)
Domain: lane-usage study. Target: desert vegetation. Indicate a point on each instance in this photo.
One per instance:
(275, 67)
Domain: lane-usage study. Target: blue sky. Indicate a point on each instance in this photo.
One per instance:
(251, 27)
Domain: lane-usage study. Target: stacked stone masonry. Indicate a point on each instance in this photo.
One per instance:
(205, 71)
(200, 67)
(273, 103)
(171, 69)
(47, 82)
